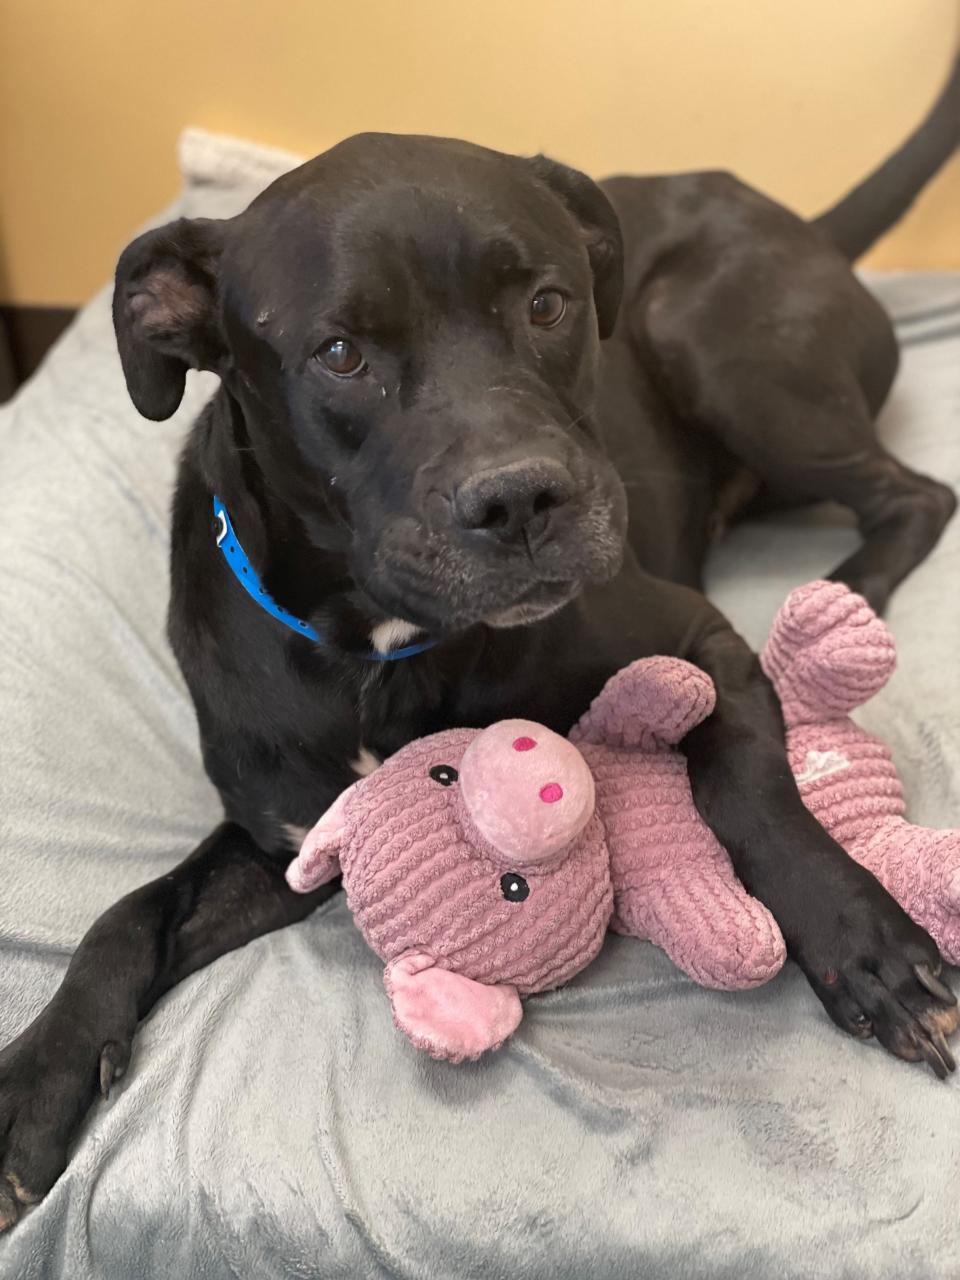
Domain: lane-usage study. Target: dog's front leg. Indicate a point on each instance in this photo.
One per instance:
(871, 966)
(226, 893)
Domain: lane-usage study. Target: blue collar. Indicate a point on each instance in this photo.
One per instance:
(249, 579)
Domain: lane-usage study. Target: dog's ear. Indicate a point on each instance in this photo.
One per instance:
(165, 311)
(601, 229)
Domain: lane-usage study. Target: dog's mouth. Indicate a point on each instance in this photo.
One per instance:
(441, 585)
(456, 610)
(539, 601)
(444, 570)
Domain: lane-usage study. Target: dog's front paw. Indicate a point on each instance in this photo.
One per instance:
(877, 973)
(49, 1076)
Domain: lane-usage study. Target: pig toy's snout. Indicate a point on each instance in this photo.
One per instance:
(528, 791)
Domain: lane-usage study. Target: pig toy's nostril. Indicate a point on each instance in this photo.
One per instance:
(524, 744)
(551, 793)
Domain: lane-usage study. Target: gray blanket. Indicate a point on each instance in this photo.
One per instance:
(273, 1123)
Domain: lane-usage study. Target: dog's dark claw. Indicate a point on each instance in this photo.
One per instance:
(113, 1063)
(106, 1074)
(928, 979)
(8, 1206)
(933, 1059)
(941, 1046)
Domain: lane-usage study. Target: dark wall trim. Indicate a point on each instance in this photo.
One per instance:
(26, 334)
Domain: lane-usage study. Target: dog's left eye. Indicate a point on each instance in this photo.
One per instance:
(547, 308)
(341, 357)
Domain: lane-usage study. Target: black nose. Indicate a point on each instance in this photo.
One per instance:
(508, 502)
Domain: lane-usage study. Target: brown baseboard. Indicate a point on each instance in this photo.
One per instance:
(26, 334)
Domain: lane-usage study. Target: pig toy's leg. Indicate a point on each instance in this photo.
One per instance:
(447, 1015)
(920, 867)
(703, 918)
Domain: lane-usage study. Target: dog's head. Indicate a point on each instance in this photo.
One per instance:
(409, 329)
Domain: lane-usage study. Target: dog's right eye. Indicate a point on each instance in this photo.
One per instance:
(547, 308)
(340, 357)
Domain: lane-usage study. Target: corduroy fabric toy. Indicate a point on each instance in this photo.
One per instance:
(483, 866)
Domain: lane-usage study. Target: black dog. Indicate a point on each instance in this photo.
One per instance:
(419, 438)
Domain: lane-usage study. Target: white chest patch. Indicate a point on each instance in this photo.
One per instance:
(820, 764)
(365, 763)
(392, 634)
(296, 835)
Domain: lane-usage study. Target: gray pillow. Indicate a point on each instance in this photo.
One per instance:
(273, 1123)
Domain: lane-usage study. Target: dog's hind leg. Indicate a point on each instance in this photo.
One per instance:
(824, 447)
(791, 391)
(901, 515)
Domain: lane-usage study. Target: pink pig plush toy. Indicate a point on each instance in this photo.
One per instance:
(483, 866)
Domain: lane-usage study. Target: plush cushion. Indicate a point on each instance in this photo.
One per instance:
(273, 1122)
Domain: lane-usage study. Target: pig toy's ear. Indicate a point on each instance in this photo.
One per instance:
(652, 702)
(445, 1014)
(319, 858)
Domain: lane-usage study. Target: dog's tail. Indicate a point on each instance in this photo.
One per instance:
(870, 209)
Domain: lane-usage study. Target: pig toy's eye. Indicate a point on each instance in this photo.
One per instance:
(445, 774)
(513, 887)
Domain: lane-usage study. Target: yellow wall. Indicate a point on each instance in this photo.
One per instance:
(800, 97)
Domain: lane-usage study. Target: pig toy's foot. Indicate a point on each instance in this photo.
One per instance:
(445, 1014)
